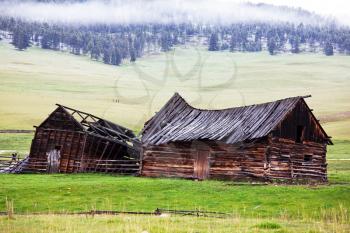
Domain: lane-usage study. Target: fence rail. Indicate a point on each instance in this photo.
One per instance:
(34, 165)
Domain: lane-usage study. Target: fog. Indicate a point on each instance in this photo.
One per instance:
(155, 11)
(335, 8)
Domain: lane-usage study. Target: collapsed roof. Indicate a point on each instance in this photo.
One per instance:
(100, 127)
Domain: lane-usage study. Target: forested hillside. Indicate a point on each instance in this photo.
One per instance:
(114, 42)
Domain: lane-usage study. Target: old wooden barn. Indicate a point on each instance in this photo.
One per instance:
(276, 140)
(74, 141)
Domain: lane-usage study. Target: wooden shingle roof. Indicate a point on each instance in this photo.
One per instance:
(178, 121)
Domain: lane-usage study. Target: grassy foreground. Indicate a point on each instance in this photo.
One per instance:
(251, 207)
(161, 224)
(83, 192)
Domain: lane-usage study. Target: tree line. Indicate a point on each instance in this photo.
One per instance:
(282, 38)
(114, 43)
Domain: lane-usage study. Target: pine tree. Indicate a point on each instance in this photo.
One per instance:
(132, 55)
(20, 38)
(88, 46)
(165, 42)
(107, 56)
(96, 50)
(116, 58)
(347, 45)
(271, 45)
(233, 42)
(76, 43)
(213, 42)
(295, 45)
(55, 40)
(328, 49)
(45, 42)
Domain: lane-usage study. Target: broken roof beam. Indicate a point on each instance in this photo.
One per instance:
(81, 112)
(306, 96)
(118, 133)
(95, 118)
(113, 140)
(99, 130)
(113, 134)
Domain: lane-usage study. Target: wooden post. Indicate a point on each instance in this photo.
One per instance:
(104, 150)
(83, 153)
(70, 151)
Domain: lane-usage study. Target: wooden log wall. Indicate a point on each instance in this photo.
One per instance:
(237, 161)
(272, 159)
(287, 160)
(71, 145)
(80, 152)
(169, 160)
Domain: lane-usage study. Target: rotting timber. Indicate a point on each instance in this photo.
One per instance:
(280, 140)
(71, 141)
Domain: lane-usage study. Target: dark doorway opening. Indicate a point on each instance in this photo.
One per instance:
(299, 135)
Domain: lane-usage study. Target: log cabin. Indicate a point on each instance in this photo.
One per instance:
(276, 141)
(70, 141)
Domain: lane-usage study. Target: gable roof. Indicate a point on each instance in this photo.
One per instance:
(179, 121)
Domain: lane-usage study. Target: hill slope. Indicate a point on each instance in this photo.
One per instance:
(33, 81)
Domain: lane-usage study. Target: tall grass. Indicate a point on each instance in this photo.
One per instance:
(330, 220)
(171, 224)
(9, 208)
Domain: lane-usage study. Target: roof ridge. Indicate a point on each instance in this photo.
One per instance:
(178, 96)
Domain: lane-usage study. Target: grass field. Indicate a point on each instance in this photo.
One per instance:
(19, 142)
(161, 224)
(251, 208)
(59, 193)
(32, 81)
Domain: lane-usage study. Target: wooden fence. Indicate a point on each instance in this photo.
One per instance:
(35, 165)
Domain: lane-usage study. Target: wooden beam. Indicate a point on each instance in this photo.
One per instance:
(306, 96)
(103, 152)
(70, 151)
(83, 151)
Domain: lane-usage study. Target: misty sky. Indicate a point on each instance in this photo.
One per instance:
(206, 11)
(338, 8)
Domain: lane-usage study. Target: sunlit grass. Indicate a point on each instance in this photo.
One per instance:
(84, 192)
(169, 224)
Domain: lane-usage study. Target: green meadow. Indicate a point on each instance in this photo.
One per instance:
(249, 207)
(85, 192)
(32, 81)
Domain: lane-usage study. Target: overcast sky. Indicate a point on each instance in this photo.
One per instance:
(338, 8)
(135, 11)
